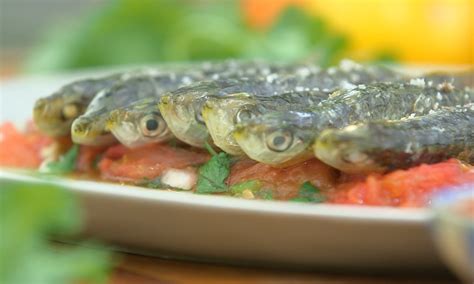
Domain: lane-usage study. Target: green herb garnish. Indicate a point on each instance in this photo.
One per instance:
(309, 193)
(213, 174)
(30, 214)
(265, 193)
(253, 185)
(66, 163)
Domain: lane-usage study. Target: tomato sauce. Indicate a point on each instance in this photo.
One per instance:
(22, 150)
(285, 182)
(402, 188)
(148, 162)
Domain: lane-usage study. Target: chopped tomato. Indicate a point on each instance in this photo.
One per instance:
(285, 182)
(404, 188)
(147, 162)
(88, 158)
(22, 150)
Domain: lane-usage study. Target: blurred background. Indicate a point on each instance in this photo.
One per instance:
(56, 35)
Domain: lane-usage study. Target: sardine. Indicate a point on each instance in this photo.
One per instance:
(398, 144)
(53, 115)
(221, 114)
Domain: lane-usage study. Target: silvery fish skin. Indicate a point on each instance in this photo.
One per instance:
(221, 114)
(138, 124)
(182, 109)
(54, 114)
(282, 138)
(387, 145)
(91, 127)
(459, 79)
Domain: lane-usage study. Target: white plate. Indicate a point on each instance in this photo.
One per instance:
(227, 229)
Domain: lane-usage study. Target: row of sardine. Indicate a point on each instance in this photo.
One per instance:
(353, 117)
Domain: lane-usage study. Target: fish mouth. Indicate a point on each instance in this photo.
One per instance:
(182, 122)
(49, 120)
(323, 151)
(126, 133)
(221, 125)
(332, 150)
(87, 131)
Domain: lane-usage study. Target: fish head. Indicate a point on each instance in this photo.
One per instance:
(222, 114)
(277, 139)
(138, 124)
(348, 149)
(54, 114)
(90, 130)
(182, 111)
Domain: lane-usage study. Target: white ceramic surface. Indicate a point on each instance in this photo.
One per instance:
(226, 229)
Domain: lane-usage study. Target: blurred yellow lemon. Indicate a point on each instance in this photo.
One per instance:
(414, 31)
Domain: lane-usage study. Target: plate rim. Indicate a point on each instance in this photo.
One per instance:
(353, 213)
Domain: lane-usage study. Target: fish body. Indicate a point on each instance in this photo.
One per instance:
(459, 80)
(382, 146)
(182, 108)
(282, 138)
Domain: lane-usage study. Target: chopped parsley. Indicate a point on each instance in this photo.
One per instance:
(213, 174)
(65, 164)
(265, 193)
(253, 185)
(309, 193)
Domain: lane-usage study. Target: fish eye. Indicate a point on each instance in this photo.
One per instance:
(152, 125)
(279, 141)
(243, 115)
(70, 111)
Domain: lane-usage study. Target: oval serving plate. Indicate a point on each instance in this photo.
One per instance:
(231, 230)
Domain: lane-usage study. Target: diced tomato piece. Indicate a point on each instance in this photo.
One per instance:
(22, 150)
(285, 182)
(404, 188)
(88, 158)
(147, 162)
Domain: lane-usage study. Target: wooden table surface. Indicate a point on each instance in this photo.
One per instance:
(134, 269)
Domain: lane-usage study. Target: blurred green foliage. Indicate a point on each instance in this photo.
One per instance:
(30, 214)
(149, 31)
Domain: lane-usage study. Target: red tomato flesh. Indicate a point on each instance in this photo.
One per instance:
(404, 188)
(285, 182)
(21, 150)
(148, 162)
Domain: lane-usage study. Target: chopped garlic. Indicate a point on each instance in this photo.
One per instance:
(50, 153)
(247, 194)
(182, 179)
